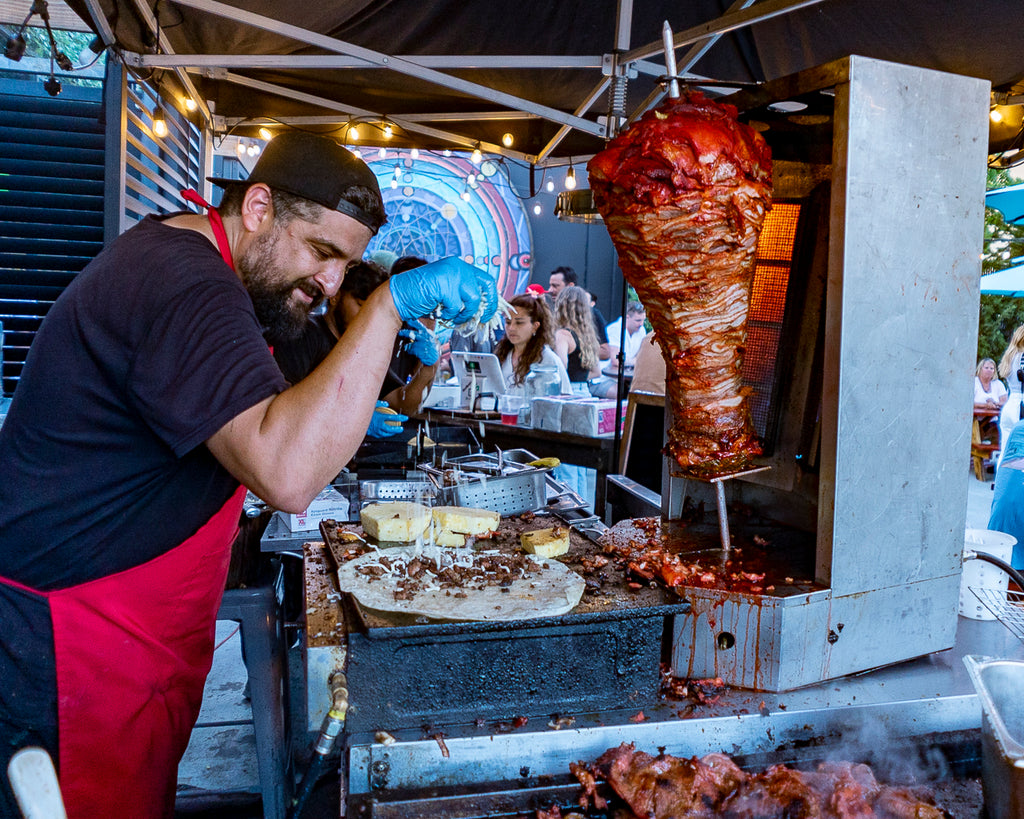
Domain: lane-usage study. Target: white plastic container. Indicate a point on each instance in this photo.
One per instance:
(980, 574)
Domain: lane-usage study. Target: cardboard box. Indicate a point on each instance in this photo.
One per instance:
(591, 417)
(328, 504)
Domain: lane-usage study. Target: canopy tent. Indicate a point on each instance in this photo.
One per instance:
(1009, 282)
(1008, 201)
(453, 74)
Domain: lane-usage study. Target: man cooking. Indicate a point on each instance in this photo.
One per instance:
(148, 402)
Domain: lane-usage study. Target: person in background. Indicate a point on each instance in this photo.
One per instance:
(563, 277)
(148, 402)
(537, 291)
(527, 341)
(1007, 513)
(575, 341)
(1010, 369)
(635, 332)
(409, 377)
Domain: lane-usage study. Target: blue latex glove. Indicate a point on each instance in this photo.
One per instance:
(420, 343)
(449, 284)
(384, 425)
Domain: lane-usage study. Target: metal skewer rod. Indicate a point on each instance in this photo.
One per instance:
(670, 61)
(723, 516)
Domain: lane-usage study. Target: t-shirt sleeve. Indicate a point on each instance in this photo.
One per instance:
(202, 364)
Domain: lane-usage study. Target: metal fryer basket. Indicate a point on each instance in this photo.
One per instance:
(1006, 606)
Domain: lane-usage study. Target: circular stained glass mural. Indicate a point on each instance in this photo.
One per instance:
(434, 211)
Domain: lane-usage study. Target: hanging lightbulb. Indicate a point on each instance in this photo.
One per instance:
(240, 147)
(446, 152)
(477, 156)
(507, 139)
(265, 133)
(382, 152)
(550, 185)
(394, 182)
(570, 179)
(465, 193)
(537, 209)
(253, 149)
(159, 122)
(353, 133)
(995, 115)
(388, 131)
(190, 104)
(415, 153)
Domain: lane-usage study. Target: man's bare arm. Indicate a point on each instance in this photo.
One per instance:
(287, 448)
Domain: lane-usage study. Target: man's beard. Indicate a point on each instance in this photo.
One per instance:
(280, 318)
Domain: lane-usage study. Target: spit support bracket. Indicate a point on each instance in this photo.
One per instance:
(719, 483)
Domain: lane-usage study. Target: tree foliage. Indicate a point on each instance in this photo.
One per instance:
(1003, 248)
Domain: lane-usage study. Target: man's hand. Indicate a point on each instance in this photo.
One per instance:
(385, 422)
(420, 343)
(451, 285)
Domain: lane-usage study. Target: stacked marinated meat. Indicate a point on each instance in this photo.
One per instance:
(666, 787)
(684, 192)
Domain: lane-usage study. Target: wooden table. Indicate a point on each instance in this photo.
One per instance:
(580, 450)
(983, 447)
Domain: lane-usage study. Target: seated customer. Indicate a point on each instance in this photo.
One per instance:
(1007, 513)
(527, 341)
(576, 342)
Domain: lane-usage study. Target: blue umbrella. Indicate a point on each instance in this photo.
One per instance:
(1009, 282)
(1008, 201)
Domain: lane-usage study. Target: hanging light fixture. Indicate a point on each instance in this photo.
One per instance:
(507, 139)
(477, 156)
(388, 130)
(265, 133)
(577, 206)
(353, 132)
(240, 147)
(550, 185)
(415, 153)
(189, 103)
(159, 121)
(570, 178)
(537, 209)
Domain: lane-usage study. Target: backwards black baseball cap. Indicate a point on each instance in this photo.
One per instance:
(318, 169)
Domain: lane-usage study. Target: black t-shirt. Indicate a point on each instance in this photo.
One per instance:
(149, 351)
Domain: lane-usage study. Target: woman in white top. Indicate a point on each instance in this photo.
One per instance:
(527, 341)
(1010, 368)
(989, 391)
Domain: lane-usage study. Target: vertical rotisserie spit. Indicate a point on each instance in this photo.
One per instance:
(684, 192)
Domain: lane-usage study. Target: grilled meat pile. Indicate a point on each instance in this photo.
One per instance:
(684, 192)
(667, 787)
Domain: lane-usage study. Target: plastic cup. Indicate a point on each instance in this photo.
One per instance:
(509, 406)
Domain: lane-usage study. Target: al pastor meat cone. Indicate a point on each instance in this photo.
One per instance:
(684, 192)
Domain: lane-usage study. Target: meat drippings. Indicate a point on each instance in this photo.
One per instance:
(684, 192)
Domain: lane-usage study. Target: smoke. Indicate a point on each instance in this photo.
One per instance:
(893, 759)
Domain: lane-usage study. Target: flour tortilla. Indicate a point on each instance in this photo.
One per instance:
(550, 590)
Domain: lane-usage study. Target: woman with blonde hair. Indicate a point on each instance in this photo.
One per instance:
(1010, 368)
(576, 340)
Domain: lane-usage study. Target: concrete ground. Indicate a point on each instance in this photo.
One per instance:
(218, 776)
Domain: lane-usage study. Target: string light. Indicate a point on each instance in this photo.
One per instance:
(570, 178)
(477, 156)
(253, 149)
(190, 104)
(415, 153)
(240, 147)
(265, 133)
(507, 139)
(995, 115)
(388, 131)
(353, 133)
(550, 185)
(159, 121)
(537, 209)
(382, 152)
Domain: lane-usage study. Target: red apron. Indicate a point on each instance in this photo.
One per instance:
(132, 652)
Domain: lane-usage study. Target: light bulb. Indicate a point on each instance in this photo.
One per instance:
(388, 131)
(995, 115)
(382, 152)
(446, 152)
(240, 148)
(465, 195)
(550, 185)
(253, 149)
(265, 133)
(190, 104)
(159, 122)
(353, 133)
(536, 209)
(477, 157)
(570, 179)
(507, 139)
(394, 182)
(415, 153)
